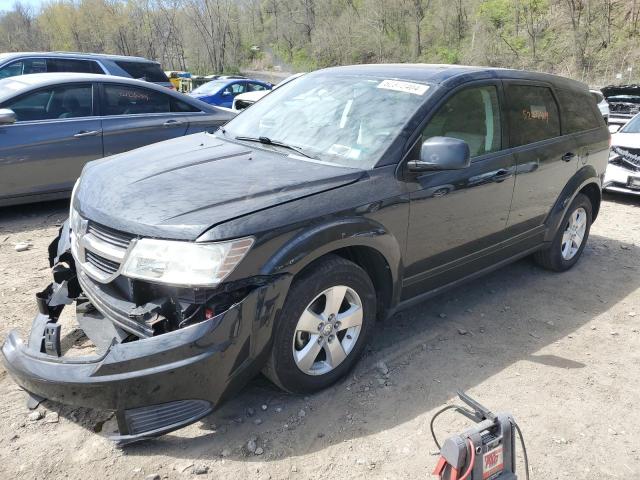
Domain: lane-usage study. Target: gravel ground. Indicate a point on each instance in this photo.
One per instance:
(559, 351)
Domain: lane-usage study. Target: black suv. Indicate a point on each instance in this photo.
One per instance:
(275, 243)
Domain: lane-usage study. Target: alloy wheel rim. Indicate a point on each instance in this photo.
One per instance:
(327, 330)
(573, 235)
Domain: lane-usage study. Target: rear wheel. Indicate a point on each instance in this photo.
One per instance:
(323, 326)
(570, 239)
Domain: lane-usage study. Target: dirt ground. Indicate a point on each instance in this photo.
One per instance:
(559, 351)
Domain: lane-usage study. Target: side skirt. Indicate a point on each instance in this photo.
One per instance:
(479, 273)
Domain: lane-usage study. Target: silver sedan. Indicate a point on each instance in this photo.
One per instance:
(51, 124)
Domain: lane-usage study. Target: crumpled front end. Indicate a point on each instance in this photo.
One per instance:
(163, 357)
(623, 171)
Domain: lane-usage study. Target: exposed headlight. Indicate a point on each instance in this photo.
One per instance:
(74, 220)
(74, 217)
(184, 263)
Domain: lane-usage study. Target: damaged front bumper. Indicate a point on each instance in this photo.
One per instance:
(618, 178)
(155, 384)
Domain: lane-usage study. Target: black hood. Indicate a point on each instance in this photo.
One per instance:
(180, 188)
(614, 90)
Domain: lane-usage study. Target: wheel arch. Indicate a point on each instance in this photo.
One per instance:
(363, 241)
(593, 193)
(585, 181)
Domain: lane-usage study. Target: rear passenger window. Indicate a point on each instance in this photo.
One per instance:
(533, 114)
(578, 112)
(126, 100)
(472, 115)
(255, 87)
(72, 65)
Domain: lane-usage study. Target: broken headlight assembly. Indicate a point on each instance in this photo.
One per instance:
(184, 263)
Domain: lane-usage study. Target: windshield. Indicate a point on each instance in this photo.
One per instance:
(342, 119)
(632, 126)
(210, 88)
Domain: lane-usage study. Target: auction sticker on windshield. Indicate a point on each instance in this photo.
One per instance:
(407, 87)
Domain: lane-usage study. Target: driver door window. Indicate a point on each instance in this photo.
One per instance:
(71, 101)
(472, 115)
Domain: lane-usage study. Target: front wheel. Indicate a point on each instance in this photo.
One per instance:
(323, 326)
(571, 237)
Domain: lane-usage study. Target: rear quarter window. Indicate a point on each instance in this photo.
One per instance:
(578, 111)
(151, 72)
(180, 106)
(533, 114)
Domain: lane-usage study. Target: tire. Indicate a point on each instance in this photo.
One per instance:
(562, 254)
(296, 338)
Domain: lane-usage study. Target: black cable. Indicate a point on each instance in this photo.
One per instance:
(433, 419)
(524, 449)
(438, 413)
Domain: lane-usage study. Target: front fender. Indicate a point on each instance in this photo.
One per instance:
(318, 240)
(583, 177)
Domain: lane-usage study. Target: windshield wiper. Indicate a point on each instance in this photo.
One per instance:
(268, 141)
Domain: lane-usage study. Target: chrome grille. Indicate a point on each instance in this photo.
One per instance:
(630, 156)
(98, 250)
(109, 235)
(103, 264)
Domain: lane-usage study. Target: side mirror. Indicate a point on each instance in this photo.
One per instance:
(441, 153)
(613, 128)
(7, 116)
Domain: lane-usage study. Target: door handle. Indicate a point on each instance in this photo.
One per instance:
(567, 157)
(501, 175)
(172, 123)
(87, 133)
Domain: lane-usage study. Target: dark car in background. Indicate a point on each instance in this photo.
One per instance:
(25, 63)
(276, 242)
(52, 124)
(221, 92)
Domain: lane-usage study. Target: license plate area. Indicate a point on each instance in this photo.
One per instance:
(633, 182)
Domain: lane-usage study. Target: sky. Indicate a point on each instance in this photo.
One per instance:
(8, 4)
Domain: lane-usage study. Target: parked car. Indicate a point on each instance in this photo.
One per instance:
(24, 63)
(52, 124)
(224, 77)
(623, 171)
(244, 100)
(603, 105)
(276, 242)
(624, 103)
(221, 92)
